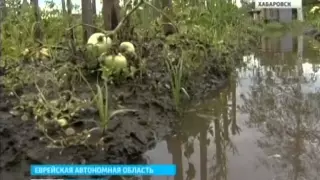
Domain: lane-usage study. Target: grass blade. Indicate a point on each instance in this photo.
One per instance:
(121, 111)
(106, 105)
(99, 103)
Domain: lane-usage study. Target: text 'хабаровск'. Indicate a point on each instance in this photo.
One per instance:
(274, 4)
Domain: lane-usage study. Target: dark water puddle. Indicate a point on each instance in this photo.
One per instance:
(264, 125)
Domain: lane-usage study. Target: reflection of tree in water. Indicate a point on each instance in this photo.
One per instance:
(224, 119)
(175, 148)
(197, 124)
(218, 118)
(289, 121)
(191, 172)
(188, 151)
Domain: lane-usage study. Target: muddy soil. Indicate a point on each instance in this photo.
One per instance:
(128, 136)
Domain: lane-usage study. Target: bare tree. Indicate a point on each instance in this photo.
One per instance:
(2, 10)
(2, 15)
(25, 3)
(87, 18)
(38, 35)
(63, 3)
(111, 14)
(158, 5)
(70, 33)
(94, 12)
(94, 8)
(69, 8)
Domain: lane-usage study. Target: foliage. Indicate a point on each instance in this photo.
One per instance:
(312, 15)
(212, 23)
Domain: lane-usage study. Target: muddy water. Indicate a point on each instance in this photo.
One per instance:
(264, 125)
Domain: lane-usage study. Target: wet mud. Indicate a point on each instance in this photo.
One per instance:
(128, 136)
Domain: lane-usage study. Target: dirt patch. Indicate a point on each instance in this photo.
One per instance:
(128, 136)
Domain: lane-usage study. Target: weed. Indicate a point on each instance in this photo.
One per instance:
(102, 104)
(176, 79)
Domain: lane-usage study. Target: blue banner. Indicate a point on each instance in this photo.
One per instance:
(103, 170)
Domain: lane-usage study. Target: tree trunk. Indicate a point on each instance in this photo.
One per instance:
(63, 3)
(94, 7)
(111, 14)
(87, 18)
(35, 4)
(94, 12)
(70, 34)
(2, 15)
(25, 3)
(69, 8)
(158, 5)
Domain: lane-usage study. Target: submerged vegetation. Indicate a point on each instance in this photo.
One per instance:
(62, 71)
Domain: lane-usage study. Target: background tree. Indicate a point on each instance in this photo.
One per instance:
(87, 19)
(94, 12)
(110, 13)
(63, 3)
(37, 32)
(94, 9)
(2, 15)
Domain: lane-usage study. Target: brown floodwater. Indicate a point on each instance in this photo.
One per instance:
(265, 125)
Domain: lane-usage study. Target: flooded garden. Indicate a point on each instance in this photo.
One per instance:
(219, 100)
(263, 125)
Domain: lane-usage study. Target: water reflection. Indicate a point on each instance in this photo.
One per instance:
(287, 114)
(274, 134)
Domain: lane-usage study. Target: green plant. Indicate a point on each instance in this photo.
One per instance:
(102, 103)
(176, 75)
(312, 15)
